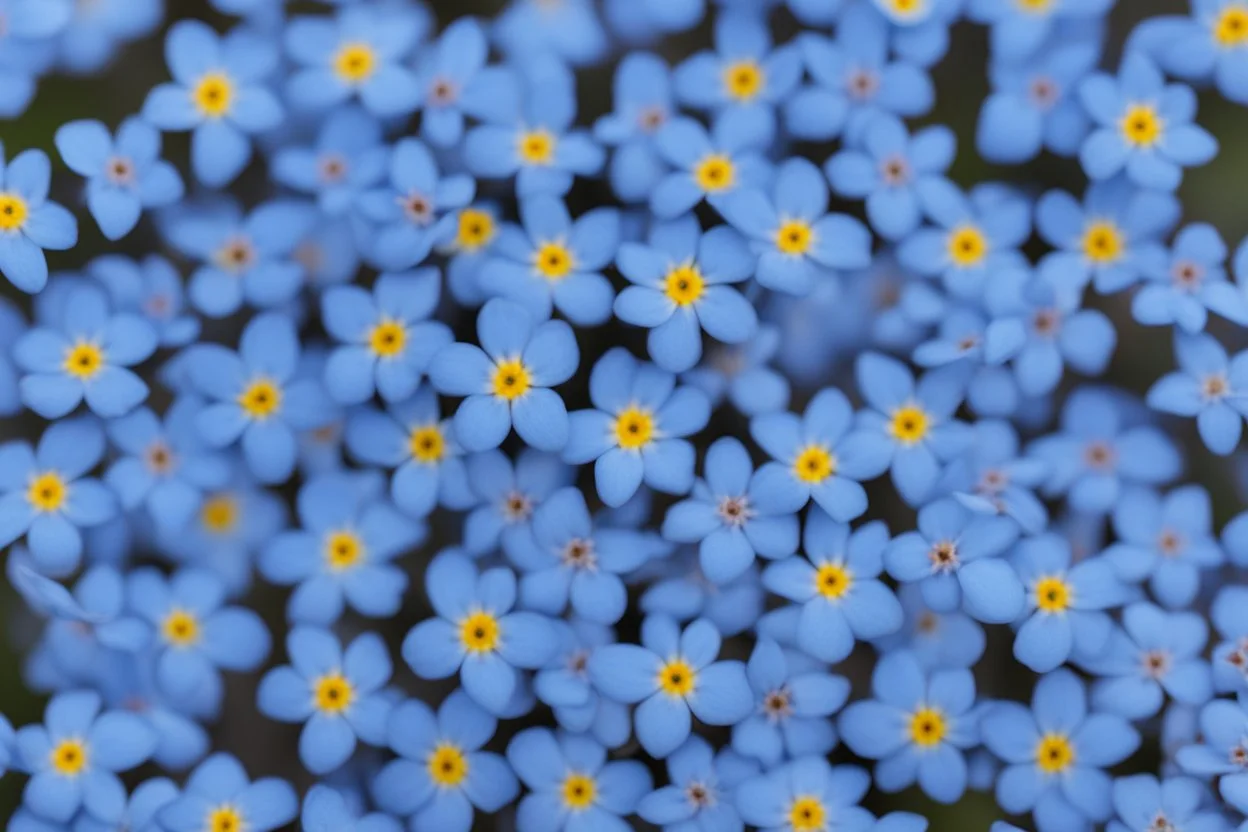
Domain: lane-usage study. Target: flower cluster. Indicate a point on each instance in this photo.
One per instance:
(671, 457)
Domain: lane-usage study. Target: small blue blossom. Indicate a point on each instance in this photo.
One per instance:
(808, 789)
(456, 83)
(1142, 802)
(1019, 30)
(564, 685)
(708, 165)
(151, 288)
(698, 797)
(1180, 289)
(1209, 46)
(347, 158)
(29, 222)
(642, 94)
(508, 494)
(326, 809)
(741, 375)
(1210, 386)
(219, 790)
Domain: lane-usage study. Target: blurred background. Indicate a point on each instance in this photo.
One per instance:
(1209, 194)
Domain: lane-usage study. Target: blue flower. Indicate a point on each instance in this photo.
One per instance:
(327, 809)
(1155, 653)
(74, 757)
(571, 784)
(671, 674)
(837, 587)
(454, 82)
(741, 374)
(538, 148)
(955, 557)
(1166, 540)
(48, 498)
(818, 457)
(733, 607)
(555, 262)
(1144, 127)
(569, 561)
(147, 799)
(442, 773)
(708, 165)
(508, 493)
(85, 357)
(1055, 753)
(219, 794)
(698, 798)
(476, 633)
(343, 553)
(634, 431)
(245, 259)
(129, 682)
(151, 288)
(1109, 239)
(642, 94)
(892, 170)
(1222, 732)
(1034, 103)
(387, 343)
(1180, 287)
(1019, 30)
(978, 235)
(917, 419)
(1209, 385)
(259, 399)
(336, 694)
(359, 54)
(564, 685)
(1209, 46)
(793, 700)
(508, 379)
(727, 518)
(1229, 614)
(807, 790)
(96, 31)
(939, 640)
(570, 31)
(918, 726)
(679, 290)
(412, 439)
(1066, 603)
(217, 92)
(165, 467)
(1142, 802)
(195, 632)
(1099, 450)
(29, 223)
(855, 80)
(743, 72)
(993, 479)
(414, 211)
(124, 174)
(348, 158)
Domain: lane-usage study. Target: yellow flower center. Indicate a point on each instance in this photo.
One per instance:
(13, 211)
(909, 425)
(388, 338)
(447, 765)
(47, 492)
(807, 814)
(795, 237)
(537, 147)
(1052, 594)
(225, 819)
(814, 464)
(579, 792)
(478, 632)
(476, 230)
(967, 246)
(180, 628)
(684, 284)
(69, 757)
(355, 63)
(343, 549)
(634, 428)
(1102, 242)
(219, 514)
(213, 96)
(333, 693)
(261, 399)
(833, 580)
(744, 80)
(1230, 29)
(715, 173)
(1054, 753)
(553, 261)
(427, 444)
(927, 727)
(677, 678)
(1035, 6)
(511, 379)
(1142, 125)
(83, 360)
